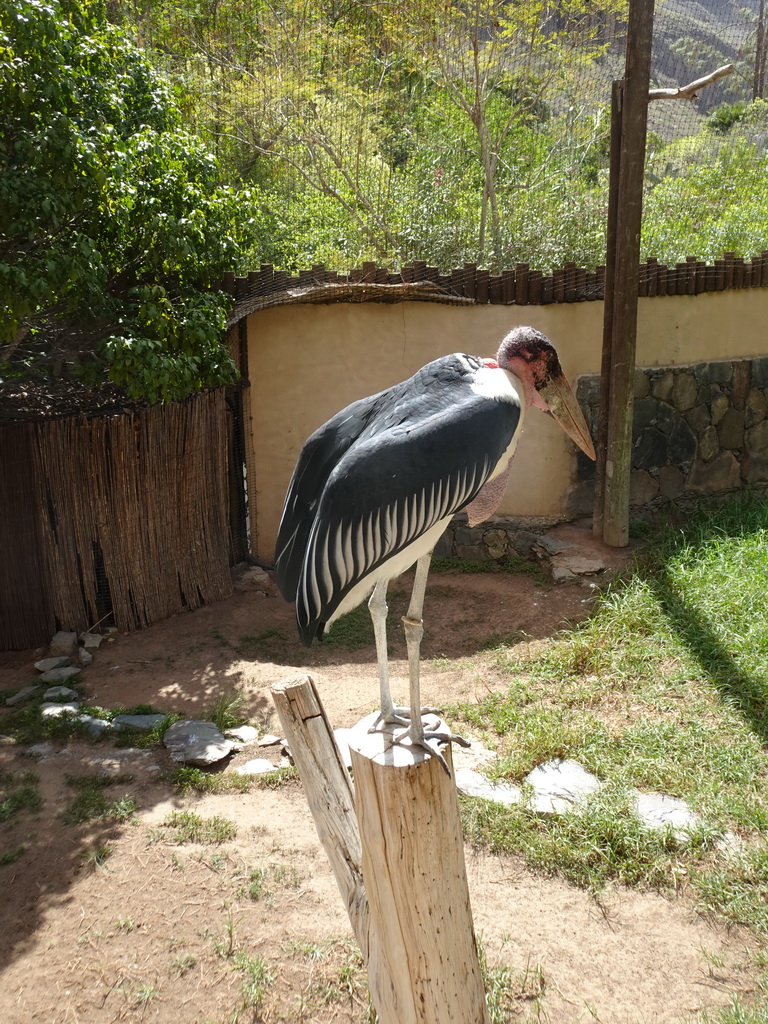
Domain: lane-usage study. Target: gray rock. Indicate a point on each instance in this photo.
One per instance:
(59, 710)
(472, 783)
(756, 439)
(659, 811)
(197, 743)
(757, 407)
(562, 574)
(258, 766)
(644, 413)
(709, 445)
(757, 469)
(60, 693)
(497, 543)
(96, 726)
(144, 722)
(685, 391)
(524, 542)
(24, 694)
(550, 546)
(244, 734)
(671, 482)
(714, 373)
(698, 418)
(721, 474)
(719, 406)
(642, 384)
(91, 640)
(730, 429)
(63, 644)
(559, 785)
(50, 663)
(662, 387)
(741, 384)
(643, 487)
(84, 657)
(60, 675)
(269, 740)
(40, 750)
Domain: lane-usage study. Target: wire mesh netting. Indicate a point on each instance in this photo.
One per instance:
(391, 132)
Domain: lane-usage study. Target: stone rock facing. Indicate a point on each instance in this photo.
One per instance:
(697, 430)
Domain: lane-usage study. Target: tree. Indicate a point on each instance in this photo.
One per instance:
(113, 224)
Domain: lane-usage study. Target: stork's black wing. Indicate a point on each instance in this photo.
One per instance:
(423, 459)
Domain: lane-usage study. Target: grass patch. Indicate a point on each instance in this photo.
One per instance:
(92, 802)
(664, 687)
(225, 713)
(512, 563)
(189, 779)
(18, 792)
(187, 827)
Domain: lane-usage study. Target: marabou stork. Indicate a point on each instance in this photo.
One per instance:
(375, 487)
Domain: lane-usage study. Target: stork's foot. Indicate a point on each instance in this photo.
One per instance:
(415, 735)
(400, 716)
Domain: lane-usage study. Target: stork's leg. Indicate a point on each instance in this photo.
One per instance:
(377, 606)
(414, 631)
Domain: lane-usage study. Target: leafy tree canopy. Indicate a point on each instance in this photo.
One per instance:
(113, 223)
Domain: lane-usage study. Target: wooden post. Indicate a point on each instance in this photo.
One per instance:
(328, 791)
(416, 880)
(634, 110)
(412, 919)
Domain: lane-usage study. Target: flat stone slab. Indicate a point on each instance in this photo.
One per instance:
(59, 710)
(197, 743)
(96, 726)
(91, 640)
(472, 783)
(144, 722)
(40, 750)
(50, 663)
(63, 643)
(244, 734)
(659, 811)
(258, 766)
(59, 693)
(24, 694)
(60, 675)
(559, 785)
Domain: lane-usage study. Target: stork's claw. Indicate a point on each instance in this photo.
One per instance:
(414, 735)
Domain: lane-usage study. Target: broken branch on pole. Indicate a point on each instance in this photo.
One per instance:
(692, 90)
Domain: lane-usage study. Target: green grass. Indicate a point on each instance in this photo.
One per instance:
(188, 827)
(195, 780)
(18, 792)
(91, 801)
(664, 687)
(512, 563)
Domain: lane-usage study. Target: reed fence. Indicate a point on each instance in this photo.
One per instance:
(122, 518)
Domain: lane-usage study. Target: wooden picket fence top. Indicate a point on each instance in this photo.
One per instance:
(520, 286)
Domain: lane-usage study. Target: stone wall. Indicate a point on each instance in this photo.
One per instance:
(698, 431)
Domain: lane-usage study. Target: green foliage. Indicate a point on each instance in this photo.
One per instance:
(18, 792)
(188, 827)
(113, 223)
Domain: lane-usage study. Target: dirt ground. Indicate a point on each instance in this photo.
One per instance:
(164, 932)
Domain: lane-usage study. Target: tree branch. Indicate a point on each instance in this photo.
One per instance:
(690, 91)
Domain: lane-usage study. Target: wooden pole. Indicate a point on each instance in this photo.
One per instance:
(412, 918)
(416, 880)
(601, 441)
(634, 113)
(329, 792)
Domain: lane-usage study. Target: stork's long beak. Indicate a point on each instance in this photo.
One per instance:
(562, 403)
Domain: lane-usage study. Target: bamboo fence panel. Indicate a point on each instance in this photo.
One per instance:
(129, 517)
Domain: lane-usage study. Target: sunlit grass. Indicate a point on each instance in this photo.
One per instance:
(664, 687)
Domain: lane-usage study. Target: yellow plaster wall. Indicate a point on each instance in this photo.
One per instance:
(308, 361)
